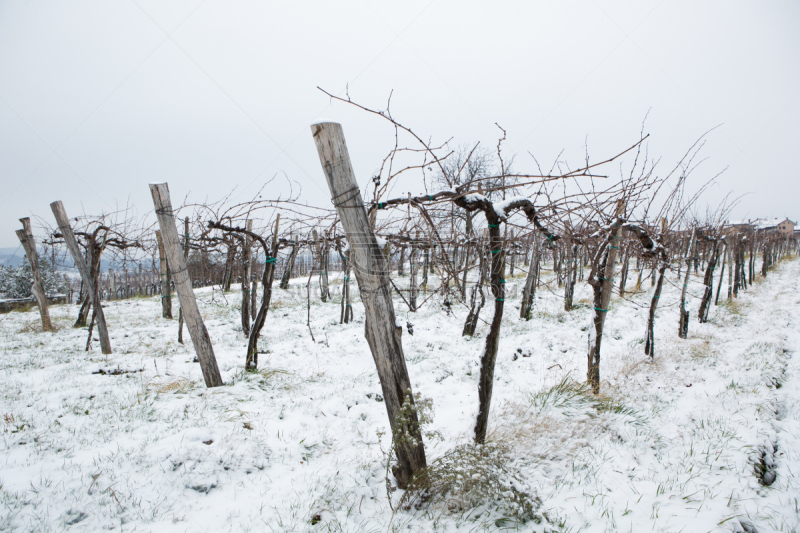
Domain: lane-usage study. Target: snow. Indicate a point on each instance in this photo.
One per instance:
(501, 205)
(670, 445)
(474, 197)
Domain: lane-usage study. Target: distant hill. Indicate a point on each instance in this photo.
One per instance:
(12, 256)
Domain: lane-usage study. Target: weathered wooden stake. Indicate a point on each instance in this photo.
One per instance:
(346, 308)
(372, 274)
(25, 236)
(183, 285)
(683, 325)
(186, 257)
(287, 271)
(163, 270)
(246, 275)
(69, 238)
(529, 291)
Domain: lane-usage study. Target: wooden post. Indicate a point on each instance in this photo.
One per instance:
(183, 285)
(529, 290)
(227, 275)
(346, 307)
(477, 290)
(412, 271)
(571, 276)
(253, 286)
(730, 265)
(186, 257)
(683, 326)
(246, 274)
(287, 271)
(25, 236)
(69, 238)
(163, 267)
(426, 259)
(372, 274)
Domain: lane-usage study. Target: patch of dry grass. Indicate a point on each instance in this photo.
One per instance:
(558, 420)
(176, 386)
(36, 327)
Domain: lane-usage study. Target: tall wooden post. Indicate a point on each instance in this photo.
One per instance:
(683, 326)
(66, 231)
(529, 290)
(372, 274)
(183, 285)
(287, 271)
(253, 286)
(25, 236)
(246, 275)
(185, 256)
(163, 268)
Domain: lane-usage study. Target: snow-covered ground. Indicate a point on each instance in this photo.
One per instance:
(302, 445)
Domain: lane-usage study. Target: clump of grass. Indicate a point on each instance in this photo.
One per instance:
(36, 327)
(572, 398)
(701, 350)
(177, 386)
(267, 373)
(557, 420)
(264, 378)
(764, 465)
(734, 306)
(24, 308)
(474, 481)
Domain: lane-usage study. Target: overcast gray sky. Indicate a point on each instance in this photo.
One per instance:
(99, 98)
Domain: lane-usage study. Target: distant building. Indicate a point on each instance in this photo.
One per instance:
(782, 226)
(740, 225)
(786, 227)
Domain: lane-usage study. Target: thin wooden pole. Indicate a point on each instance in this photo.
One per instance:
(185, 256)
(163, 267)
(69, 238)
(25, 236)
(183, 285)
(683, 327)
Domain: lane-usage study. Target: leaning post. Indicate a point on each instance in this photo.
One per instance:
(183, 285)
(25, 236)
(66, 231)
(371, 270)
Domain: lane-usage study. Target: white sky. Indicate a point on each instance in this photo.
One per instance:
(99, 98)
